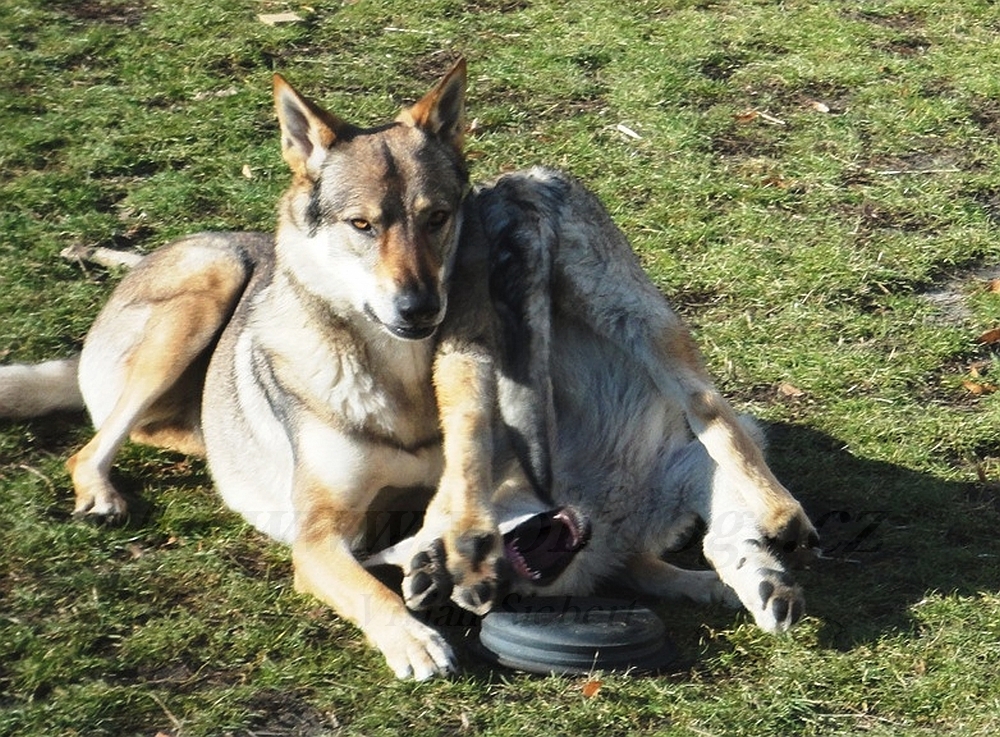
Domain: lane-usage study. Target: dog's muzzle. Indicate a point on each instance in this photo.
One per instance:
(407, 329)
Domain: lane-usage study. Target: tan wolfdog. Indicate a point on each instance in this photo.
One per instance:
(499, 346)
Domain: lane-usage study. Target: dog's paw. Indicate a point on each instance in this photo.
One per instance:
(780, 602)
(100, 502)
(474, 566)
(467, 572)
(415, 651)
(95, 495)
(427, 583)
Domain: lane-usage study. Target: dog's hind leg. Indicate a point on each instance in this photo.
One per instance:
(153, 368)
(142, 369)
(649, 574)
(599, 281)
(746, 561)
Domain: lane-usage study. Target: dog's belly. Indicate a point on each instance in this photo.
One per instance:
(616, 436)
(612, 424)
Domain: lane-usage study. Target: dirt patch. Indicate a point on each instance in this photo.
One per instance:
(950, 292)
(538, 107)
(896, 21)
(429, 68)
(906, 45)
(908, 41)
(721, 65)
(104, 11)
(872, 216)
(944, 387)
(746, 141)
(985, 113)
(288, 714)
(932, 160)
(989, 201)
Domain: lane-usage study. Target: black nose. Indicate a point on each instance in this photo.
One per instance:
(417, 305)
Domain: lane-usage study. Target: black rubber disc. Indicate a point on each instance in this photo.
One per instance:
(574, 635)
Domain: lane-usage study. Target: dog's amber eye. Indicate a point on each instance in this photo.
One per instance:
(361, 224)
(438, 218)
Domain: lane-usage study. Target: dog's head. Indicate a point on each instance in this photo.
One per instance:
(372, 218)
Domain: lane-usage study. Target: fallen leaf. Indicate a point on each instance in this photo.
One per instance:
(591, 688)
(820, 107)
(790, 390)
(746, 116)
(978, 368)
(990, 336)
(993, 286)
(978, 389)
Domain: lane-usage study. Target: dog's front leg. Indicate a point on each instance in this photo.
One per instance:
(326, 568)
(336, 478)
(750, 564)
(459, 546)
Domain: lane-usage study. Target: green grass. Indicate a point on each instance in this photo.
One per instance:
(808, 244)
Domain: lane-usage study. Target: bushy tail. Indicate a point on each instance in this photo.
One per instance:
(30, 390)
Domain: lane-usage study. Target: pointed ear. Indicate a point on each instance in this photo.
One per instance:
(441, 112)
(307, 130)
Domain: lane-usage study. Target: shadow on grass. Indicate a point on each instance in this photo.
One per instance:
(138, 471)
(890, 535)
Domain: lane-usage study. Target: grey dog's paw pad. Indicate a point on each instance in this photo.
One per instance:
(427, 582)
(782, 602)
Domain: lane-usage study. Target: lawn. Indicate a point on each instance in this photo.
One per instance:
(814, 184)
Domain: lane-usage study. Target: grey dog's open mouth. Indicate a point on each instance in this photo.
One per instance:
(540, 547)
